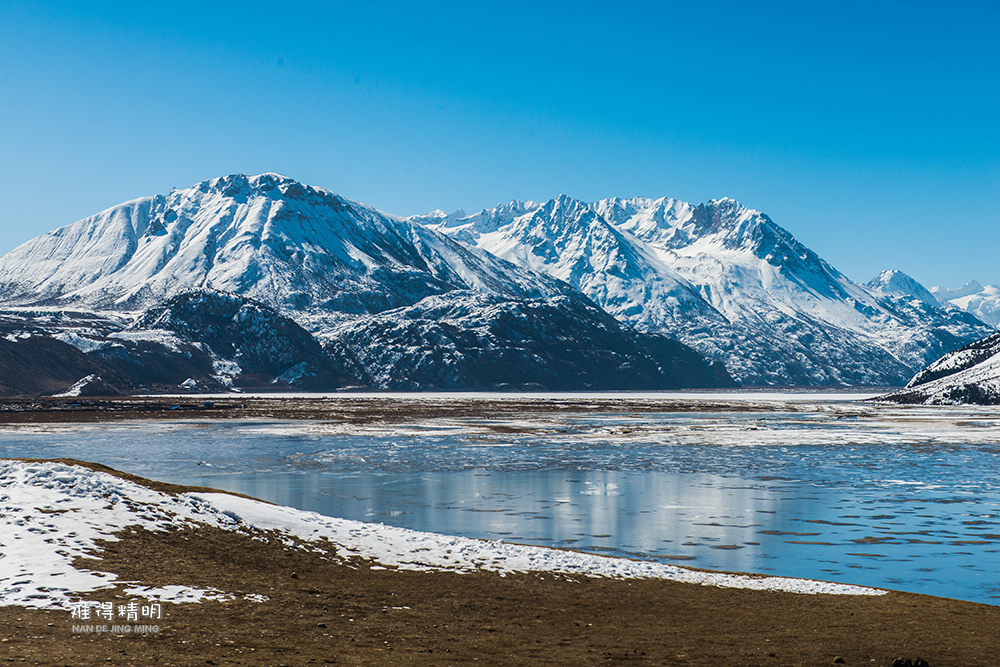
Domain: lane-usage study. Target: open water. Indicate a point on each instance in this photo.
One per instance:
(826, 488)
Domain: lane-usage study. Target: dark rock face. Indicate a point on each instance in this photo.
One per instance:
(468, 341)
(462, 340)
(907, 662)
(684, 366)
(201, 341)
(41, 365)
(272, 351)
(152, 366)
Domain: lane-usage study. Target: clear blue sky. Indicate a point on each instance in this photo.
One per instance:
(870, 130)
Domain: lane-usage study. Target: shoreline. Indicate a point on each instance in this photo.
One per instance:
(293, 605)
(354, 407)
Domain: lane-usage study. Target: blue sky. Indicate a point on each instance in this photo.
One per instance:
(868, 129)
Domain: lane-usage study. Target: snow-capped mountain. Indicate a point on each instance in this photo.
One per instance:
(967, 375)
(228, 272)
(294, 247)
(727, 281)
(444, 301)
(897, 284)
(983, 302)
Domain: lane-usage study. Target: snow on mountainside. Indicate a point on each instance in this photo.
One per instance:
(725, 280)
(898, 284)
(234, 281)
(468, 340)
(968, 375)
(266, 237)
(983, 302)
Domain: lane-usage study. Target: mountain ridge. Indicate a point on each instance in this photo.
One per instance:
(721, 278)
(229, 268)
(983, 302)
(718, 273)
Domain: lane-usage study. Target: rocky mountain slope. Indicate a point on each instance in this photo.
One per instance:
(469, 340)
(968, 375)
(725, 280)
(237, 281)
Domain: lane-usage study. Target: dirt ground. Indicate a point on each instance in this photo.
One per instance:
(348, 409)
(320, 610)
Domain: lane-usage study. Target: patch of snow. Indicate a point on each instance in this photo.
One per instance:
(52, 513)
(78, 387)
(167, 339)
(177, 594)
(82, 343)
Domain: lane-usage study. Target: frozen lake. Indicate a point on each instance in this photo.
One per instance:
(807, 485)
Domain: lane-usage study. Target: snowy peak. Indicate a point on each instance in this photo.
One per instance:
(267, 237)
(724, 279)
(275, 186)
(983, 302)
(968, 289)
(898, 284)
(652, 220)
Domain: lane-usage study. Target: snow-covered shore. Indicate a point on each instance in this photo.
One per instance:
(52, 513)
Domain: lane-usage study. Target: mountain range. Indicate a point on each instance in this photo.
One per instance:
(266, 283)
(983, 302)
(727, 281)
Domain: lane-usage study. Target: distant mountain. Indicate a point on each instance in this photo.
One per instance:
(970, 375)
(944, 294)
(727, 281)
(897, 284)
(983, 302)
(264, 283)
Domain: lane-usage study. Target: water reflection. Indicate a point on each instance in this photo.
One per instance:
(920, 543)
(906, 498)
